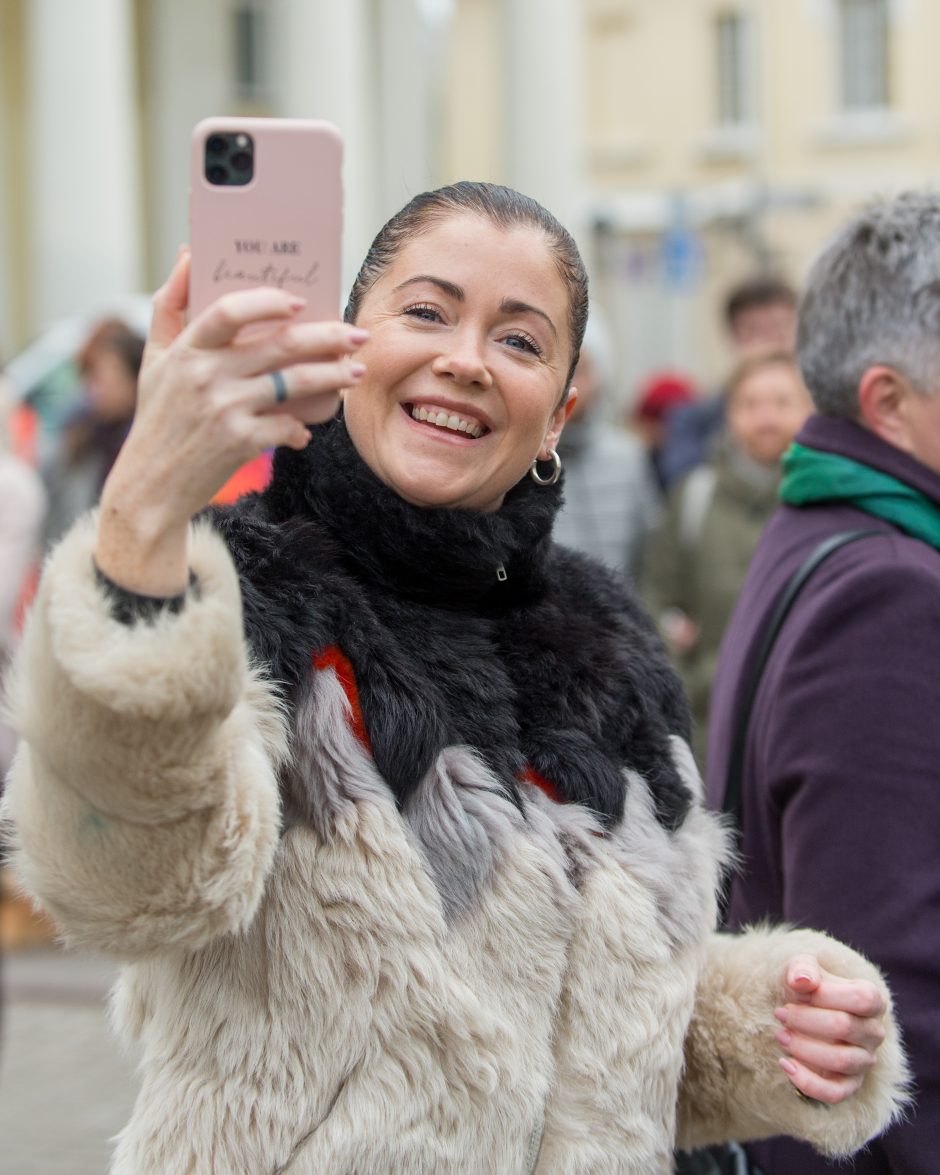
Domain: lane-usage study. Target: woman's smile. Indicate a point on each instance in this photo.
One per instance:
(455, 421)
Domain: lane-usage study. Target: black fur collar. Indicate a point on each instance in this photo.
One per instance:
(557, 667)
(454, 559)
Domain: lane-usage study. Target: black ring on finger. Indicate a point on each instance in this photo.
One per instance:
(280, 386)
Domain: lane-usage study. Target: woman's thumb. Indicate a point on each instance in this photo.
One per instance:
(170, 302)
(804, 974)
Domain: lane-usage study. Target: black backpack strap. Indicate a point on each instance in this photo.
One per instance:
(732, 803)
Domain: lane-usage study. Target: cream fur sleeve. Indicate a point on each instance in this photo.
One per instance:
(733, 1087)
(143, 800)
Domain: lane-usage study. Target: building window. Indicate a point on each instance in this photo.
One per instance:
(251, 24)
(863, 43)
(732, 46)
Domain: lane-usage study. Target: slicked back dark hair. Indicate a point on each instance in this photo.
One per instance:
(503, 207)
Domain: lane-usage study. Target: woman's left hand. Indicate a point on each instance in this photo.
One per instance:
(830, 1029)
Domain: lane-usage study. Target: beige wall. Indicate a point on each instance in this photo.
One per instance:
(651, 94)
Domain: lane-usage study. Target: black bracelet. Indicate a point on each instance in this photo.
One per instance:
(128, 607)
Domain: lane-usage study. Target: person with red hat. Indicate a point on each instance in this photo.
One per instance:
(659, 395)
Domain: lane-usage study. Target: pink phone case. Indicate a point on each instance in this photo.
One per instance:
(282, 228)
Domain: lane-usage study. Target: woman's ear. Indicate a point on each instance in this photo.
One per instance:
(557, 423)
(884, 397)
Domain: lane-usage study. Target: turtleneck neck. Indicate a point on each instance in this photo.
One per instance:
(453, 559)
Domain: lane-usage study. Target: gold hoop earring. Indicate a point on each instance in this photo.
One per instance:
(553, 476)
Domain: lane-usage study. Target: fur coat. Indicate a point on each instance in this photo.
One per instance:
(394, 823)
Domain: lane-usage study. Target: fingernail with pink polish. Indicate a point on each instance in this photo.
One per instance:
(788, 1066)
(782, 1015)
(357, 369)
(784, 1037)
(358, 335)
(297, 303)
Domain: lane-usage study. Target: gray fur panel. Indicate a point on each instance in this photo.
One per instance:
(681, 869)
(463, 822)
(329, 771)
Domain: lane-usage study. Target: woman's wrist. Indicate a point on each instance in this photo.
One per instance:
(140, 546)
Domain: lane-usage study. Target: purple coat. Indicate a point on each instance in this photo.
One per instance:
(841, 824)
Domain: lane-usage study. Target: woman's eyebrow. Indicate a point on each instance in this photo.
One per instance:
(514, 306)
(451, 290)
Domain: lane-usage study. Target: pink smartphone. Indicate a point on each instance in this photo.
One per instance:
(266, 208)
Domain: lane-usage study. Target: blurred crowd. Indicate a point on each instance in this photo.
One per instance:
(677, 497)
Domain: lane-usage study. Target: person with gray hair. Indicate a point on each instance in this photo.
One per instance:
(839, 805)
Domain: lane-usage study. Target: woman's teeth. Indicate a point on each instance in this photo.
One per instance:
(449, 420)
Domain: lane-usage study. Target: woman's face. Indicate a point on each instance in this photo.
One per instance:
(466, 364)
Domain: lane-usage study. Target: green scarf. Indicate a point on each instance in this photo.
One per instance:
(810, 476)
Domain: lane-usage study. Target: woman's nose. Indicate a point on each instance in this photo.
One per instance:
(463, 359)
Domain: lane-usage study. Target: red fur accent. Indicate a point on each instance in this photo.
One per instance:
(333, 657)
(530, 775)
(251, 477)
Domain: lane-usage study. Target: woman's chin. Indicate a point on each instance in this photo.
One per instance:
(439, 488)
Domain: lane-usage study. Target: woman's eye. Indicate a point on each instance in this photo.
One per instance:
(522, 342)
(423, 313)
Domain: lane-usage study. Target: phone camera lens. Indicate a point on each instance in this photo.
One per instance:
(216, 145)
(216, 174)
(241, 161)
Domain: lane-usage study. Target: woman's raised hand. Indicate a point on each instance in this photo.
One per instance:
(207, 403)
(830, 1029)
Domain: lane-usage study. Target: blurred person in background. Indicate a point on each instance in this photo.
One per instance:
(698, 558)
(91, 437)
(22, 509)
(760, 315)
(611, 502)
(659, 396)
(840, 791)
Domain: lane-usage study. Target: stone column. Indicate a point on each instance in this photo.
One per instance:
(328, 68)
(83, 152)
(363, 64)
(544, 141)
(406, 104)
(190, 77)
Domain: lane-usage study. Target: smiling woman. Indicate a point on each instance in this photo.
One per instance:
(384, 799)
(488, 345)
